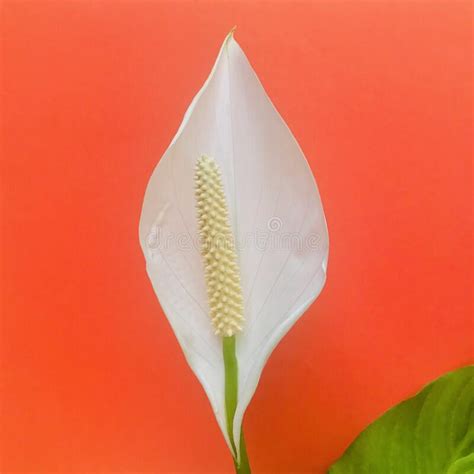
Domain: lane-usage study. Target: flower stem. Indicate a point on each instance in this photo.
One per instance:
(244, 467)
(231, 388)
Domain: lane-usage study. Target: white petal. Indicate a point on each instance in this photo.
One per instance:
(276, 202)
(276, 215)
(169, 237)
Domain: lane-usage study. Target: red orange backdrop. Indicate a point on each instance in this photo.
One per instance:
(378, 95)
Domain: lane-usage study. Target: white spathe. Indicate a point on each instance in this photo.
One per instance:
(276, 216)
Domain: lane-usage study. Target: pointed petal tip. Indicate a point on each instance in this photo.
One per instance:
(230, 35)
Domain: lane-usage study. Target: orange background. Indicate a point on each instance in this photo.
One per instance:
(378, 95)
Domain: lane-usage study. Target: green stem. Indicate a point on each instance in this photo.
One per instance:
(231, 388)
(244, 467)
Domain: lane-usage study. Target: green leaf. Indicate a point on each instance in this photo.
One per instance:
(431, 433)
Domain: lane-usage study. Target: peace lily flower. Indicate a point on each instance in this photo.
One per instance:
(234, 236)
